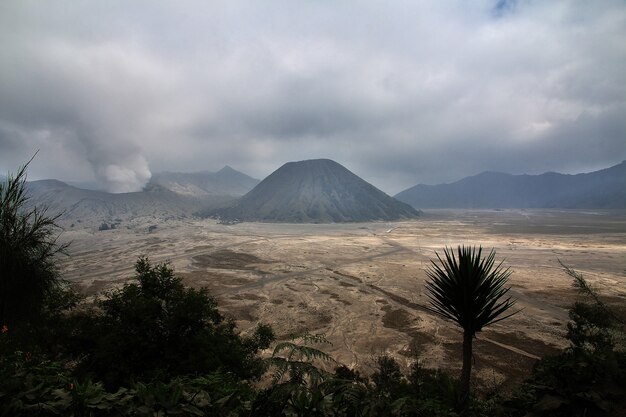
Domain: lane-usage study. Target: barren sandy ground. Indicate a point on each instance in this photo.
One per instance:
(362, 285)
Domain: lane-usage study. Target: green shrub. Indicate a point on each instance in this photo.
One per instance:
(156, 328)
(28, 246)
(588, 378)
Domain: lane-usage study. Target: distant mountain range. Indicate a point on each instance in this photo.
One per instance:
(315, 191)
(97, 206)
(225, 182)
(321, 190)
(166, 195)
(599, 189)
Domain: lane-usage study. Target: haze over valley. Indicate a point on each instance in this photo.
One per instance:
(322, 191)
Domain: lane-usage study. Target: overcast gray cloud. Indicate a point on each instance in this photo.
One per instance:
(400, 93)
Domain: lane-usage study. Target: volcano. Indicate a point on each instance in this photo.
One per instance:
(315, 191)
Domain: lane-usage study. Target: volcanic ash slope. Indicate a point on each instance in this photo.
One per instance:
(315, 191)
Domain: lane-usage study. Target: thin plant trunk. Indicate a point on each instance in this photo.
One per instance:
(466, 372)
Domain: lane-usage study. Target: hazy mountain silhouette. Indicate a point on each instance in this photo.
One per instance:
(167, 195)
(599, 189)
(315, 191)
(92, 207)
(225, 182)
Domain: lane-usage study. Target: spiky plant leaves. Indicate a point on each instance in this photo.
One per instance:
(469, 289)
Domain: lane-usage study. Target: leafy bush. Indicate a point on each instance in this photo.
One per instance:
(590, 328)
(157, 328)
(298, 386)
(34, 386)
(587, 379)
(28, 272)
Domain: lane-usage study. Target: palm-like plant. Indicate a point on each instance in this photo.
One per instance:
(469, 290)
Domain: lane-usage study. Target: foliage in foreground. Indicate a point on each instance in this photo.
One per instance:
(156, 328)
(468, 289)
(35, 386)
(28, 272)
(587, 379)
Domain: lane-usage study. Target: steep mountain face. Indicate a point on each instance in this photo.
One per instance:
(91, 207)
(600, 189)
(225, 182)
(315, 191)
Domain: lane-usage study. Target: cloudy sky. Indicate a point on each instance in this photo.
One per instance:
(400, 92)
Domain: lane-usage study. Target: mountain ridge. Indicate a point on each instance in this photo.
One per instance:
(227, 182)
(160, 199)
(605, 188)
